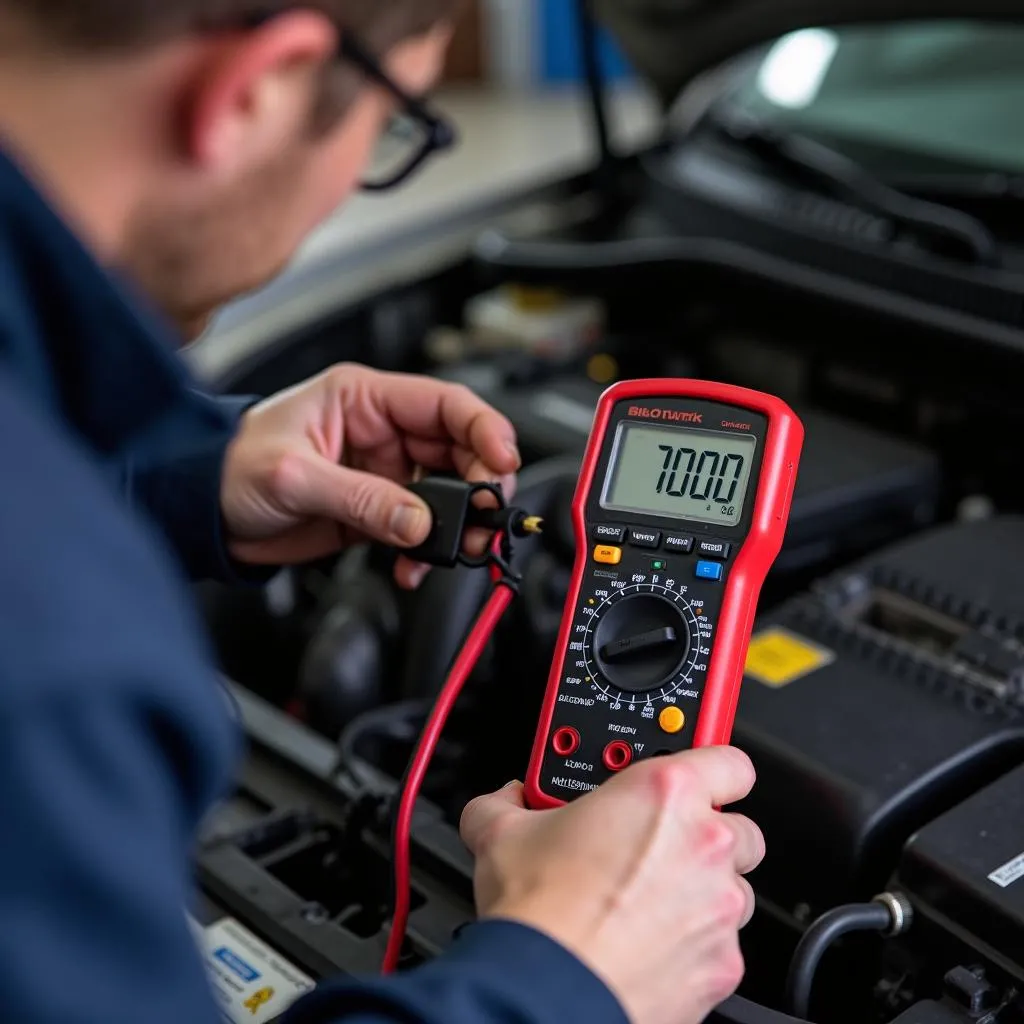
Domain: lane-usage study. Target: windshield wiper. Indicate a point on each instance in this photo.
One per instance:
(839, 174)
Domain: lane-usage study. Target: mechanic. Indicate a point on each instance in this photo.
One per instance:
(191, 145)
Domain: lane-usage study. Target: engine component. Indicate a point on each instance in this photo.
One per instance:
(964, 875)
(320, 891)
(934, 1011)
(539, 321)
(889, 913)
(350, 653)
(877, 703)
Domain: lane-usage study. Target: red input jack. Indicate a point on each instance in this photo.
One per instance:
(617, 755)
(566, 741)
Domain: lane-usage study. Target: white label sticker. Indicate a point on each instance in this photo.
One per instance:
(251, 983)
(1009, 872)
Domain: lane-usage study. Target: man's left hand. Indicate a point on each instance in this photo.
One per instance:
(324, 465)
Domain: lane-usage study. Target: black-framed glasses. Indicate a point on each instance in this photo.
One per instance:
(415, 133)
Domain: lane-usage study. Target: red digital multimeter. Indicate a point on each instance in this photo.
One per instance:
(681, 509)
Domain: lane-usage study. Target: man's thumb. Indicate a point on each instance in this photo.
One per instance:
(486, 814)
(373, 505)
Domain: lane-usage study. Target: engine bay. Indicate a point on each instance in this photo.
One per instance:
(884, 700)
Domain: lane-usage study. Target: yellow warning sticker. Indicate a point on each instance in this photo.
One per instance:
(776, 657)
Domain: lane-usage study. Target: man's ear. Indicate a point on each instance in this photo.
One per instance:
(253, 93)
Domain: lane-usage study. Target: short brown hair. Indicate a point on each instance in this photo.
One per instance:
(125, 24)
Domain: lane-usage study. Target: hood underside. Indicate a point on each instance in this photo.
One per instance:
(672, 42)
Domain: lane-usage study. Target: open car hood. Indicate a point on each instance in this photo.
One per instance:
(672, 42)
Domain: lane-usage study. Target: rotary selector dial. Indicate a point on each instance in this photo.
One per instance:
(643, 642)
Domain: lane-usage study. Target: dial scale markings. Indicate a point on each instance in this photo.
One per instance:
(684, 680)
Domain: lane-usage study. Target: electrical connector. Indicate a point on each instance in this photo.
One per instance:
(453, 513)
(512, 521)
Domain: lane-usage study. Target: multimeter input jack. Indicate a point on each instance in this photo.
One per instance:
(617, 755)
(565, 742)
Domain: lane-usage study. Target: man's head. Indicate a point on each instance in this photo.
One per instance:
(216, 133)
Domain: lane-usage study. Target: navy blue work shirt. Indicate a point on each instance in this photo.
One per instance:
(115, 737)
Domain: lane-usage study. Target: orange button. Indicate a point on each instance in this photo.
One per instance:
(672, 720)
(607, 555)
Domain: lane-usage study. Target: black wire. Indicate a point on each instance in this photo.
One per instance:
(854, 917)
(380, 722)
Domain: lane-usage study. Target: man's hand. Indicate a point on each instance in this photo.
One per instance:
(324, 465)
(640, 879)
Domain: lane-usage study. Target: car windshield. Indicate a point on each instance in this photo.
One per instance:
(908, 98)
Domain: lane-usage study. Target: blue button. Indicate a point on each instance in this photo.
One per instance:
(709, 571)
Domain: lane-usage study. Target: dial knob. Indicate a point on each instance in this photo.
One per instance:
(641, 642)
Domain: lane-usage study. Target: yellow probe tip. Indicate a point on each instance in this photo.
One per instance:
(533, 524)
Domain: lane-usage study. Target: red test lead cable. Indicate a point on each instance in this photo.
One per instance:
(466, 662)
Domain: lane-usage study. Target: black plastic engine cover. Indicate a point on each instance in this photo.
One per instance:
(967, 867)
(914, 706)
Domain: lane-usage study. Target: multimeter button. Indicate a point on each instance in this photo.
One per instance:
(609, 534)
(682, 545)
(713, 549)
(644, 539)
(672, 720)
(617, 755)
(607, 555)
(566, 741)
(709, 571)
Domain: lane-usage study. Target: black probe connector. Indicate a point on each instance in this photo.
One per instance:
(451, 503)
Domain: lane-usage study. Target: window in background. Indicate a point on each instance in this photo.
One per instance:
(915, 96)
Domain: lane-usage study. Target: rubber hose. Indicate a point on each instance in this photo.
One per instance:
(819, 937)
(737, 1010)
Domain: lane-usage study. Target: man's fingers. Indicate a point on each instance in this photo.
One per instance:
(724, 775)
(410, 575)
(431, 454)
(313, 487)
(436, 410)
(306, 543)
(749, 842)
(441, 456)
(484, 816)
(748, 894)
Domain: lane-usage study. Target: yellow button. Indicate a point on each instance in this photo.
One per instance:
(607, 555)
(672, 720)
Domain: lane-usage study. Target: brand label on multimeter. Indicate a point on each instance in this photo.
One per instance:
(667, 513)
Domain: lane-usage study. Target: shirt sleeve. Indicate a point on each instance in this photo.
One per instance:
(115, 739)
(177, 481)
(498, 972)
(94, 869)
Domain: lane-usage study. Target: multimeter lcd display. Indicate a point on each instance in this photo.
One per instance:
(702, 475)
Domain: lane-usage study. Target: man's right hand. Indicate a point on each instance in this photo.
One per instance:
(641, 879)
